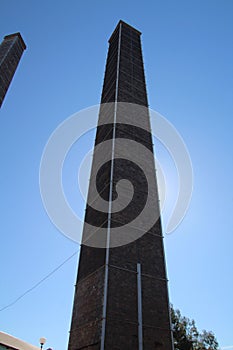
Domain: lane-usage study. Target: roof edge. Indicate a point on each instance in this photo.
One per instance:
(11, 36)
(125, 24)
(15, 343)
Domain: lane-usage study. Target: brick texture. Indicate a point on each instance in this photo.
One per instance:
(11, 50)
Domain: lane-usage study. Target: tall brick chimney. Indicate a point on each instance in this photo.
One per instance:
(11, 50)
(121, 296)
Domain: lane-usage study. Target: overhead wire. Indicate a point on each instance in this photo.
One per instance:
(39, 283)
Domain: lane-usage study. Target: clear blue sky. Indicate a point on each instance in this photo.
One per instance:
(188, 55)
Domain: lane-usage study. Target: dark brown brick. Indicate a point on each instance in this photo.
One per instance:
(11, 50)
(146, 248)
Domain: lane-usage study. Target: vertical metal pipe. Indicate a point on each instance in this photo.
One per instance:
(110, 201)
(139, 289)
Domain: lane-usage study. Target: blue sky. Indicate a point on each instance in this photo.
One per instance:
(188, 55)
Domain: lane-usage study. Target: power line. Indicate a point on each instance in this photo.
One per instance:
(40, 282)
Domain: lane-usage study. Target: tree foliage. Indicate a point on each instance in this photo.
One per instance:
(187, 337)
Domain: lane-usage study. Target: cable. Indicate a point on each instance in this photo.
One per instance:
(40, 282)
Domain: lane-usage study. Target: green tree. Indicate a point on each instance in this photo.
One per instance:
(187, 337)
